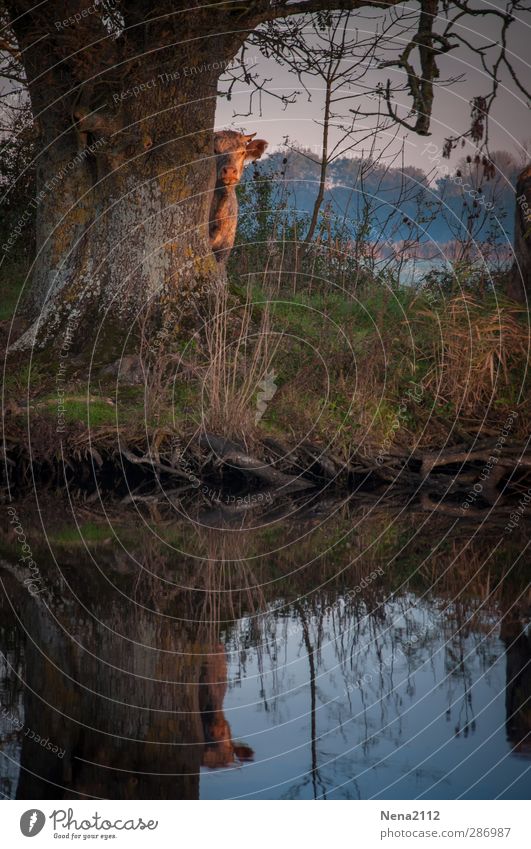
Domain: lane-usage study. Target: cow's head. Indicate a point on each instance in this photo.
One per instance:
(232, 151)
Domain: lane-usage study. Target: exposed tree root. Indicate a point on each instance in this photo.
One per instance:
(214, 469)
(232, 454)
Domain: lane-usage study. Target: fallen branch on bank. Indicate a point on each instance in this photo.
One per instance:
(231, 454)
(135, 467)
(480, 454)
(149, 462)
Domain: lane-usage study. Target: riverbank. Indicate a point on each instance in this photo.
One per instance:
(389, 387)
(486, 479)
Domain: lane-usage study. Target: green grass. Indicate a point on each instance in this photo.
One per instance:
(94, 413)
(90, 532)
(365, 350)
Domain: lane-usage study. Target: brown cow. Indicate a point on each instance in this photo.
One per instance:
(232, 151)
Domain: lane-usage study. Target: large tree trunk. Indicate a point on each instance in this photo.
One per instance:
(133, 699)
(136, 236)
(519, 286)
(125, 179)
(124, 97)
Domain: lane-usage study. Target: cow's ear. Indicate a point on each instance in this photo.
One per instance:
(255, 149)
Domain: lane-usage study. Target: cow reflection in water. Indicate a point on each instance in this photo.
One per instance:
(119, 679)
(125, 669)
(220, 749)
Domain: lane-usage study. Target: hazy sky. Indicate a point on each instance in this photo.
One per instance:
(510, 121)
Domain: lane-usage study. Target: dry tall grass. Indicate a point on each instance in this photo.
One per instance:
(241, 352)
(476, 353)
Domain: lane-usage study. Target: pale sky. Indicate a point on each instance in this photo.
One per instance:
(510, 119)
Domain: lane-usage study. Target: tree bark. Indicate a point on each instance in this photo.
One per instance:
(125, 179)
(324, 165)
(519, 287)
(134, 236)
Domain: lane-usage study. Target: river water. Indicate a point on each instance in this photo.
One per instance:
(360, 650)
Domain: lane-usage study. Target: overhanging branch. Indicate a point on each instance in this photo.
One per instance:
(262, 12)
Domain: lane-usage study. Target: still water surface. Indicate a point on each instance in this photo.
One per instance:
(352, 652)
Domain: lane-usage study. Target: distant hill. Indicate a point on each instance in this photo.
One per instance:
(387, 200)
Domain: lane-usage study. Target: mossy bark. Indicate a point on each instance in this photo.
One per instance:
(125, 180)
(134, 240)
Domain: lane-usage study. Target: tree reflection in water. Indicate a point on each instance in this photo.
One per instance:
(129, 657)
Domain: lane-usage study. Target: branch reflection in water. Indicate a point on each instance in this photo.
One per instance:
(345, 651)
